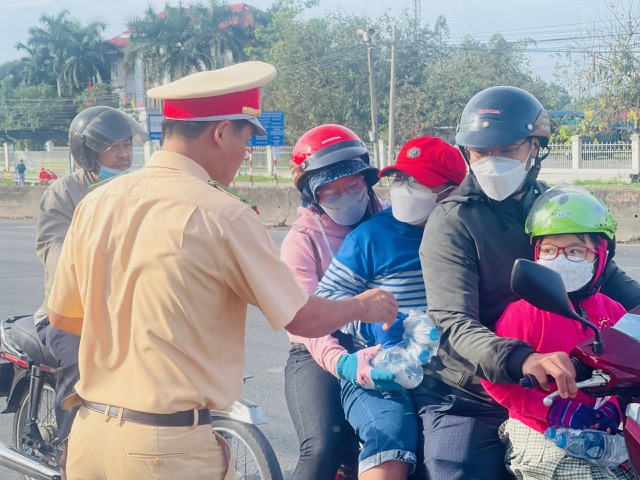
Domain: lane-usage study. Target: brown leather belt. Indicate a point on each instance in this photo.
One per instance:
(178, 419)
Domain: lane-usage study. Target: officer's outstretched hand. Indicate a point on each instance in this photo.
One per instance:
(355, 368)
(378, 306)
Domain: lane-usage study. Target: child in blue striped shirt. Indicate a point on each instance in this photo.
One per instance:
(383, 252)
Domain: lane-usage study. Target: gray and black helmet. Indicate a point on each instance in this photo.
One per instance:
(96, 129)
(501, 116)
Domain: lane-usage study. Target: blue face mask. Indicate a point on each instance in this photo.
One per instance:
(106, 173)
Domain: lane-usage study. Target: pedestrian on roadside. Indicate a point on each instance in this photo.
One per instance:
(21, 168)
(156, 273)
(470, 244)
(43, 177)
(100, 138)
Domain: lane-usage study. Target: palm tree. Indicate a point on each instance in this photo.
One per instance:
(219, 30)
(180, 40)
(64, 51)
(159, 40)
(87, 57)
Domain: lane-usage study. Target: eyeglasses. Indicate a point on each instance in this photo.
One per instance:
(399, 179)
(573, 254)
(330, 193)
(506, 151)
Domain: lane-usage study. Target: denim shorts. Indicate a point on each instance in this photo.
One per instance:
(386, 423)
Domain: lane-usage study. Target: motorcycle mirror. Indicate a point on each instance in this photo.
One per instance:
(543, 288)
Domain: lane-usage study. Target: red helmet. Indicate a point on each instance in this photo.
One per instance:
(322, 146)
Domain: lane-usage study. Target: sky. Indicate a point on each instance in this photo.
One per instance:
(550, 22)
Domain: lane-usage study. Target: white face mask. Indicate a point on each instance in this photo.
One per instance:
(499, 177)
(575, 275)
(348, 209)
(412, 205)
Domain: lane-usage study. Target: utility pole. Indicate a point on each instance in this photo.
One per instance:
(391, 155)
(417, 15)
(367, 37)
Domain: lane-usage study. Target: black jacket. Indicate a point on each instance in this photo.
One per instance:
(469, 246)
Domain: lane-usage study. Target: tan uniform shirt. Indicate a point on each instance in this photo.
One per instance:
(55, 212)
(162, 266)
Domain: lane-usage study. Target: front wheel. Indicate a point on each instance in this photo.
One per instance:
(47, 426)
(255, 458)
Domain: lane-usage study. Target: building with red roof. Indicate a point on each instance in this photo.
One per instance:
(132, 86)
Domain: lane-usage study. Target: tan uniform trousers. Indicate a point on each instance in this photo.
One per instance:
(107, 448)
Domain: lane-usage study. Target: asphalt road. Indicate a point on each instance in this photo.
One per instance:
(21, 288)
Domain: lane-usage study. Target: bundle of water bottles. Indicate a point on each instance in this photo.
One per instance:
(596, 446)
(405, 359)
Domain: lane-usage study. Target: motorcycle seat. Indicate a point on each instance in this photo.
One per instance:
(25, 336)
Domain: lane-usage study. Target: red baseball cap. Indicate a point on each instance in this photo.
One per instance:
(431, 161)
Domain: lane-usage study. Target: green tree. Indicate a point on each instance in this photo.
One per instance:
(66, 52)
(602, 71)
(158, 41)
(33, 107)
(322, 68)
(184, 39)
(221, 32)
(323, 71)
(461, 71)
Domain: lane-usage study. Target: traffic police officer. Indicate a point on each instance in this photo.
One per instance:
(156, 273)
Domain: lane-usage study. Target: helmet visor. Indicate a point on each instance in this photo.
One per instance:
(111, 127)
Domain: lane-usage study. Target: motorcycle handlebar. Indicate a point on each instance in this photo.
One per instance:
(583, 372)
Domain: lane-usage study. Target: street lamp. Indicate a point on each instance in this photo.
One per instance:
(208, 57)
(367, 37)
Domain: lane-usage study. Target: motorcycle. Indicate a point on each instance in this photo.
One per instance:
(27, 381)
(606, 364)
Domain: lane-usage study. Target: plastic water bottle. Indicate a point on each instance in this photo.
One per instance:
(398, 361)
(405, 360)
(595, 446)
(422, 332)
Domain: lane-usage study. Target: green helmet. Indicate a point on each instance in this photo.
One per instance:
(569, 209)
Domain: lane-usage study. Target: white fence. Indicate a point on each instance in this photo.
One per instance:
(565, 163)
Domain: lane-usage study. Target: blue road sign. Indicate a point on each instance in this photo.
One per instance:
(273, 123)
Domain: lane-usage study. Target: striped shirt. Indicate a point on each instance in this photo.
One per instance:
(380, 253)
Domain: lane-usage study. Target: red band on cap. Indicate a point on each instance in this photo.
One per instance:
(228, 104)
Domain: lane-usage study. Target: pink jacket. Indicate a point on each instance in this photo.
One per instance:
(298, 253)
(547, 333)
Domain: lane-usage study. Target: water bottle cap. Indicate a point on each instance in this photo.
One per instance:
(434, 334)
(424, 356)
(561, 440)
(550, 433)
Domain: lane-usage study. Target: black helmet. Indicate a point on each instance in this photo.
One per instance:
(96, 129)
(501, 116)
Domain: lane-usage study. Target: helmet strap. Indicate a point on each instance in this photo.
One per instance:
(533, 172)
(465, 155)
(604, 257)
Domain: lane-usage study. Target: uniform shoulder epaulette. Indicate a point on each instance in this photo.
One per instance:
(235, 195)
